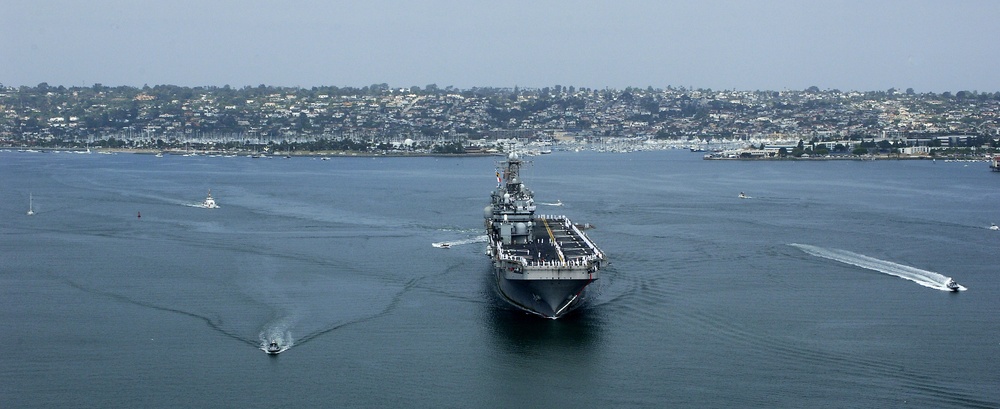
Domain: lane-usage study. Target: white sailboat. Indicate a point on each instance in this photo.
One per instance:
(31, 212)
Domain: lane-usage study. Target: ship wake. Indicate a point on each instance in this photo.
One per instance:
(278, 333)
(446, 244)
(925, 278)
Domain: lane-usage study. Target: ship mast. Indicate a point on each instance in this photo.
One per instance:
(513, 206)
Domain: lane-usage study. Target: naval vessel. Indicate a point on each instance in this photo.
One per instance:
(542, 264)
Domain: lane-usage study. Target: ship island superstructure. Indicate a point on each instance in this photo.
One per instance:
(542, 264)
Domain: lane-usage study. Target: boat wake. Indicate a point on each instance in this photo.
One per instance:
(557, 203)
(199, 205)
(925, 278)
(278, 334)
(449, 244)
(311, 318)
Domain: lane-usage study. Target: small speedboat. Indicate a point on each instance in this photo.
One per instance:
(209, 202)
(993, 226)
(743, 196)
(273, 348)
(952, 285)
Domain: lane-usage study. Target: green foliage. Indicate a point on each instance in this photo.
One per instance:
(884, 145)
(453, 147)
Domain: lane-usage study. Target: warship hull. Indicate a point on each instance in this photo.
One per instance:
(549, 274)
(548, 298)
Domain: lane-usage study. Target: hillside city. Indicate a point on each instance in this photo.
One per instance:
(381, 119)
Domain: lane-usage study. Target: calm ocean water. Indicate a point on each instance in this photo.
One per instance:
(821, 290)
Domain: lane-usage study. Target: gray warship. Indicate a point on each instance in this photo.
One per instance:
(542, 264)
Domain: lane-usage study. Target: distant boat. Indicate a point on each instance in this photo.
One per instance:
(273, 348)
(743, 196)
(209, 202)
(31, 212)
(952, 285)
(993, 226)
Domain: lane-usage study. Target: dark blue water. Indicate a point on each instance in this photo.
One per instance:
(821, 290)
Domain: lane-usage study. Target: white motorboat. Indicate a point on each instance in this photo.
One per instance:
(743, 196)
(209, 202)
(31, 212)
(273, 348)
(952, 285)
(994, 226)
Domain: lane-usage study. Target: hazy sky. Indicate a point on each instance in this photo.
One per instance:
(747, 45)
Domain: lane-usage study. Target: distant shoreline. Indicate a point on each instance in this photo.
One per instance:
(348, 154)
(839, 157)
(314, 154)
